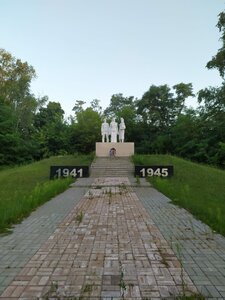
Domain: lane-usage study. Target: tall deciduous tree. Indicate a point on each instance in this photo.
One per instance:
(218, 61)
(86, 131)
(185, 134)
(159, 106)
(19, 105)
(95, 105)
(15, 79)
(212, 114)
(117, 103)
(52, 133)
(78, 106)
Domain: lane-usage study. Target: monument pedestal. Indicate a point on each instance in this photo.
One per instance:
(122, 149)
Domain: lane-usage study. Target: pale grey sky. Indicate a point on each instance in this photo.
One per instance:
(88, 49)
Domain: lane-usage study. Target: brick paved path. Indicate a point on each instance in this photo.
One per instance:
(201, 250)
(107, 246)
(18, 247)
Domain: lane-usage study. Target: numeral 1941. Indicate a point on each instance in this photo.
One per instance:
(66, 172)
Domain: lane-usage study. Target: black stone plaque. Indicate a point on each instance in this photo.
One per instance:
(150, 171)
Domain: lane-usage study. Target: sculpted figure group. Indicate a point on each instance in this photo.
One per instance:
(113, 130)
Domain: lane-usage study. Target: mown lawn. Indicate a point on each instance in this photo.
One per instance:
(24, 188)
(198, 188)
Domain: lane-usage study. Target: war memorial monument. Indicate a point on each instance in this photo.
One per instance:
(113, 140)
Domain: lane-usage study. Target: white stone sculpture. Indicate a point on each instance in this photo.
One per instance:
(105, 131)
(122, 128)
(113, 129)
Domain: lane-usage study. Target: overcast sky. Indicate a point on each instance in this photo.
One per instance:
(91, 49)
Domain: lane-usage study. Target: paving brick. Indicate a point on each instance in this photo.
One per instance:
(213, 291)
(8, 291)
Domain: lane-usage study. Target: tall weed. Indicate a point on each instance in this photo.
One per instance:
(24, 188)
(15, 209)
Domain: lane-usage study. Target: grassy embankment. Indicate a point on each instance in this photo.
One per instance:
(25, 188)
(198, 188)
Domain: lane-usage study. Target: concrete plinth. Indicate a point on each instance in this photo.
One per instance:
(122, 149)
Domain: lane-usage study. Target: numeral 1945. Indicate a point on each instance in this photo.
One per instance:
(163, 172)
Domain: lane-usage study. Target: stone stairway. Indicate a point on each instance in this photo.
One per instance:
(112, 167)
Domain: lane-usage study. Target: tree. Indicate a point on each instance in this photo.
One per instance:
(49, 114)
(51, 130)
(86, 131)
(212, 113)
(78, 107)
(15, 79)
(19, 105)
(213, 102)
(117, 103)
(95, 105)
(159, 107)
(183, 91)
(7, 136)
(185, 134)
(218, 61)
(128, 113)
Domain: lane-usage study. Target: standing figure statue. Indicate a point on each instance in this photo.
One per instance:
(122, 128)
(105, 131)
(113, 131)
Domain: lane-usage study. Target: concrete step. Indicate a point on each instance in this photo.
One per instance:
(112, 167)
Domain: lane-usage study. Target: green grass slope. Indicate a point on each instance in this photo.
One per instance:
(198, 188)
(25, 188)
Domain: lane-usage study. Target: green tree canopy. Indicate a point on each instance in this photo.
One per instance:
(49, 114)
(117, 103)
(52, 131)
(159, 106)
(218, 60)
(85, 131)
(15, 78)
